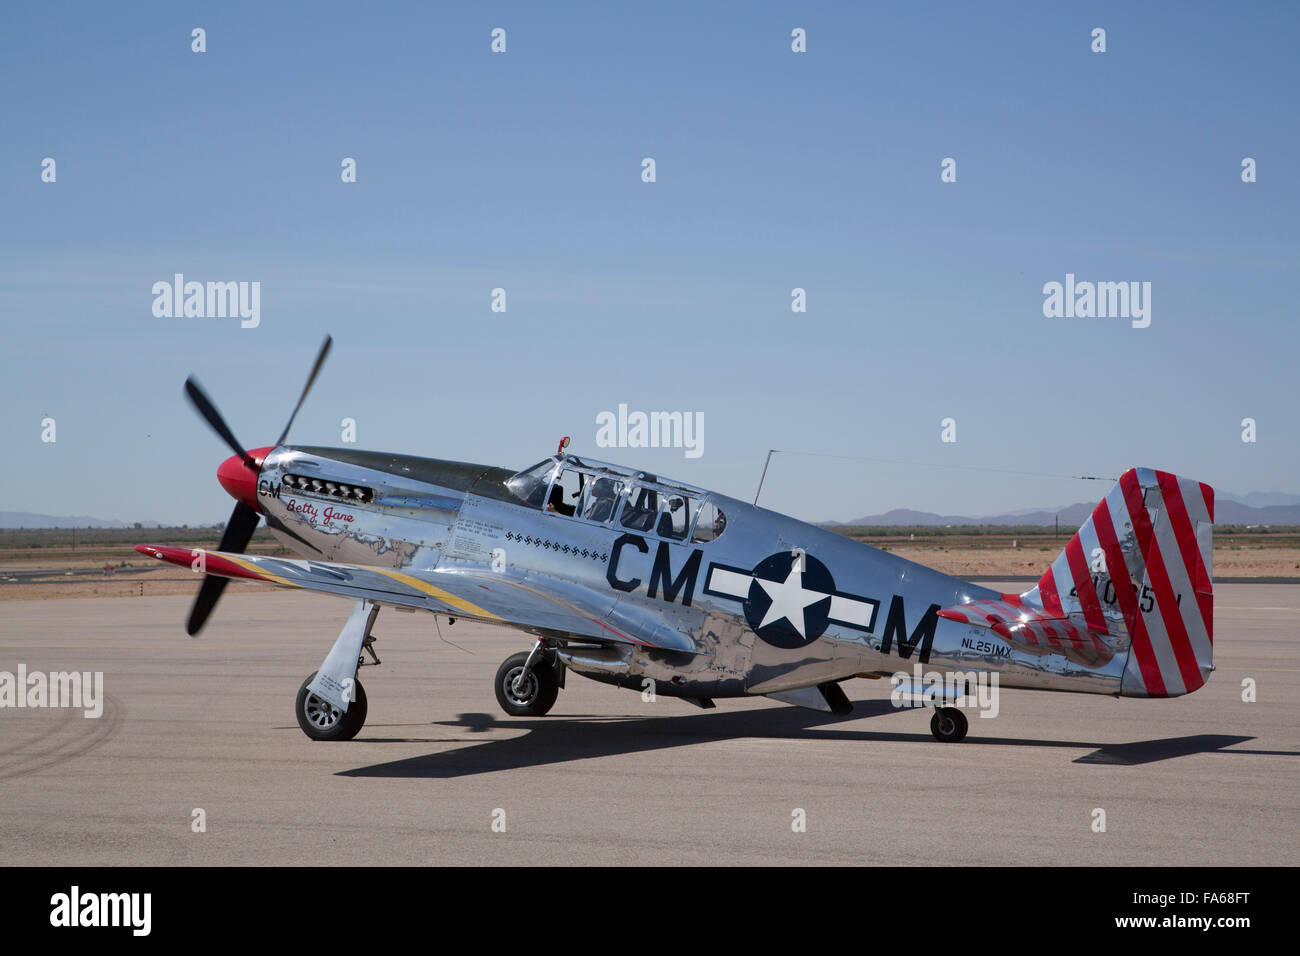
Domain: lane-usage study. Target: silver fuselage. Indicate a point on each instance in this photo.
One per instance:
(426, 514)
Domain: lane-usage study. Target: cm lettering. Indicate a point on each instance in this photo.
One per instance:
(661, 573)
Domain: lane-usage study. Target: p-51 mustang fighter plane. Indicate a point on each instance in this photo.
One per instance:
(629, 578)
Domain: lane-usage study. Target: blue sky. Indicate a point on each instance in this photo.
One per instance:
(775, 170)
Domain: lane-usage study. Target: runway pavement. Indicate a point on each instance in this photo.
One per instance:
(607, 779)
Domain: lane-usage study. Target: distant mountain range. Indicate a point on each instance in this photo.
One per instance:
(26, 519)
(1262, 499)
(1257, 508)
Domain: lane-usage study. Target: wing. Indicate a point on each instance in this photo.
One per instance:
(515, 599)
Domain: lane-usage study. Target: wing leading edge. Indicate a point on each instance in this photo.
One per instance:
(509, 598)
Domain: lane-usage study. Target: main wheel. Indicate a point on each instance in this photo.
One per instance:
(536, 696)
(321, 720)
(948, 724)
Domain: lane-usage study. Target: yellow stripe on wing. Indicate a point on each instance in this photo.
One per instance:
(259, 570)
(446, 597)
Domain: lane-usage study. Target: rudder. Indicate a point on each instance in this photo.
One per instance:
(1141, 566)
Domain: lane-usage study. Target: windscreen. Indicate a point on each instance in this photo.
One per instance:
(529, 486)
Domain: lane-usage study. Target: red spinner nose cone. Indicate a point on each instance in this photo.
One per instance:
(239, 480)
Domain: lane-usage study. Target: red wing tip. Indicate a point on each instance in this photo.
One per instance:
(163, 553)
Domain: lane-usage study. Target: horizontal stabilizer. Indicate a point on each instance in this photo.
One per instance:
(1033, 630)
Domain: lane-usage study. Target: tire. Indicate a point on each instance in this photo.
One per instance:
(321, 721)
(948, 725)
(537, 697)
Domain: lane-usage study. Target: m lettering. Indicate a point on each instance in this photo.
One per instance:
(896, 628)
(662, 573)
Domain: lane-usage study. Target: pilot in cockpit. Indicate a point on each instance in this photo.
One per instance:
(602, 500)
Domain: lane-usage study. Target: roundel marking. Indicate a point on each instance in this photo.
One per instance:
(789, 605)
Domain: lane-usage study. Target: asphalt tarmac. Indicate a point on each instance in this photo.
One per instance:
(440, 776)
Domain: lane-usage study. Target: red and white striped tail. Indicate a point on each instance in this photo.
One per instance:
(1141, 567)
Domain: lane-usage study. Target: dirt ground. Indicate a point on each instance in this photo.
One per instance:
(101, 570)
(1229, 562)
(125, 582)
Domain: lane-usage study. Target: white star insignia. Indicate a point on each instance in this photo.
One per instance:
(789, 599)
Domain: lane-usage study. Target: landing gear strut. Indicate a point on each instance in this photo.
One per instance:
(528, 683)
(331, 703)
(948, 724)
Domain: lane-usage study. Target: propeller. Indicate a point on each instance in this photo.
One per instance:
(243, 520)
(315, 370)
(239, 531)
(199, 399)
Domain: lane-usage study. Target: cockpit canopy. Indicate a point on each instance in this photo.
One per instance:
(530, 485)
(607, 494)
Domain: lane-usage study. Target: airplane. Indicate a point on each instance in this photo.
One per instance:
(638, 581)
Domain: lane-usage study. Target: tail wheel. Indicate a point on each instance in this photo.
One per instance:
(948, 725)
(321, 720)
(532, 697)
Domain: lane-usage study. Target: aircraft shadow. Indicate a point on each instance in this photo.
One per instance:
(557, 739)
(1149, 751)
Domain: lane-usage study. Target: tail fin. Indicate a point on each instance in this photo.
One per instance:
(1141, 566)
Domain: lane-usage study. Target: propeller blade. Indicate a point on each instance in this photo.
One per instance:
(209, 592)
(239, 531)
(209, 411)
(315, 369)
